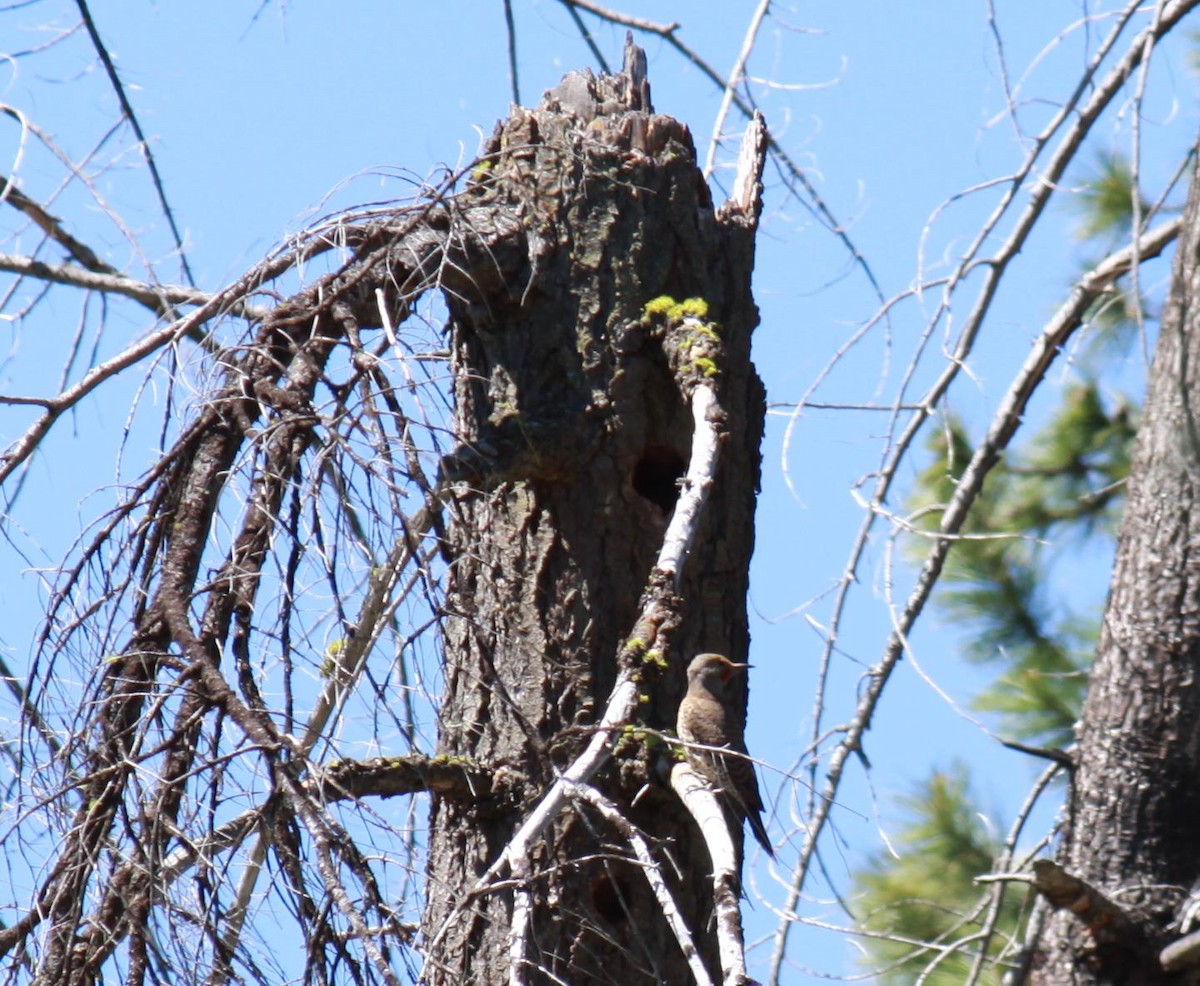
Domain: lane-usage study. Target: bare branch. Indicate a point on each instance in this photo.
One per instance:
(1104, 918)
(625, 20)
(143, 144)
(159, 298)
(701, 802)
(736, 76)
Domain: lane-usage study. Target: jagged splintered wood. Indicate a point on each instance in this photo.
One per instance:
(573, 417)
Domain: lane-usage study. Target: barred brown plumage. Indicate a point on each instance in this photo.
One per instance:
(703, 719)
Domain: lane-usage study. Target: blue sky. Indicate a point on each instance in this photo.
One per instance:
(260, 123)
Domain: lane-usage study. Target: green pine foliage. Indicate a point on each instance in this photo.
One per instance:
(1058, 492)
(923, 919)
(1105, 203)
(1106, 218)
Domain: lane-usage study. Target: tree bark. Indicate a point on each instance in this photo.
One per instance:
(1132, 832)
(573, 433)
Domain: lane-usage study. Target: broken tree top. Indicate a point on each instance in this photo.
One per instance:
(612, 109)
(581, 95)
(616, 111)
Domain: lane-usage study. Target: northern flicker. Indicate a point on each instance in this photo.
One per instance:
(704, 718)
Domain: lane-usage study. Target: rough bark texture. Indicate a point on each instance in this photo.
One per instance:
(1133, 828)
(573, 434)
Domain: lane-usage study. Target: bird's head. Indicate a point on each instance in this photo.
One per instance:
(712, 671)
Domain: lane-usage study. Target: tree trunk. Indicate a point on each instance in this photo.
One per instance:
(573, 434)
(1132, 832)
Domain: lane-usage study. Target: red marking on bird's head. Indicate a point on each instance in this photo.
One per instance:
(727, 667)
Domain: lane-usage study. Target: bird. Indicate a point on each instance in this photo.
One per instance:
(704, 719)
